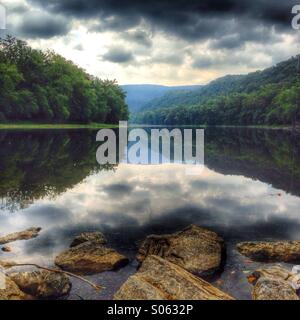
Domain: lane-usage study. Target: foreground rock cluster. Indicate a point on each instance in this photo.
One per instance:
(90, 258)
(172, 267)
(275, 251)
(195, 249)
(275, 283)
(160, 279)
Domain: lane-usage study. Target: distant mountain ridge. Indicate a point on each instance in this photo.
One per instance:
(270, 96)
(140, 94)
(285, 71)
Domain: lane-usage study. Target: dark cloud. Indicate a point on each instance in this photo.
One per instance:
(138, 36)
(37, 24)
(17, 9)
(227, 58)
(118, 55)
(118, 189)
(189, 19)
(115, 23)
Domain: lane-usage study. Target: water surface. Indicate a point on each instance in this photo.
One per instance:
(249, 190)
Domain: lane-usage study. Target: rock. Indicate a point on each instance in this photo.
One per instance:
(96, 237)
(90, 258)
(6, 249)
(42, 284)
(23, 235)
(273, 289)
(276, 251)
(195, 249)
(159, 279)
(10, 291)
(275, 283)
(6, 264)
(280, 273)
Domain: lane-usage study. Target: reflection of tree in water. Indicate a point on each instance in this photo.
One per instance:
(271, 156)
(39, 164)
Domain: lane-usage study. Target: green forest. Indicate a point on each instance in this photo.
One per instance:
(37, 86)
(268, 97)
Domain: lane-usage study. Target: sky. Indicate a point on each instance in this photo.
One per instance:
(164, 42)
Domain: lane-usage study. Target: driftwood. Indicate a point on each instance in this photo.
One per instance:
(12, 264)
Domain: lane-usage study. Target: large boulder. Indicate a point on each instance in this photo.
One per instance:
(274, 251)
(9, 290)
(90, 258)
(195, 249)
(96, 237)
(275, 283)
(22, 235)
(42, 284)
(159, 279)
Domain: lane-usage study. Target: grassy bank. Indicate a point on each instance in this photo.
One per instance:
(40, 126)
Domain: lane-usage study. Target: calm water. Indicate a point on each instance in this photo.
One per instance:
(249, 190)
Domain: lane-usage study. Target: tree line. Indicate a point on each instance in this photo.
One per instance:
(44, 86)
(268, 97)
(271, 105)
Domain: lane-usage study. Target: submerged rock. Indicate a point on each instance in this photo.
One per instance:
(195, 249)
(275, 251)
(159, 279)
(96, 237)
(42, 284)
(90, 258)
(10, 291)
(22, 235)
(6, 249)
(275, 283)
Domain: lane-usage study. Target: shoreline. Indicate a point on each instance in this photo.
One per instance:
(58, 126)
(269, 127)
(64, 126)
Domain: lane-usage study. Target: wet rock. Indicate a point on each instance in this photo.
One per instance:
(159, 279)
(280, 273)
(275, 283)
(6, 264)
(6, 249)
(90, 258)
(42, 284)
(275, 251)
(23, 235)
(96, 237)
(273, 289)
(195, 249)
(9, 290)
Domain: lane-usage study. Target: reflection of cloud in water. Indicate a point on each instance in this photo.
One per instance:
(138, 200)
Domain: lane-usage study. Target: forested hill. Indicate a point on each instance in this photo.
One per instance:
(138, 95)
(262, 97)
(42, 86)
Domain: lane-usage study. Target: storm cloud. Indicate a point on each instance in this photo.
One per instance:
(189, 19)
(37, 24)
(118, 55)
(160, 41)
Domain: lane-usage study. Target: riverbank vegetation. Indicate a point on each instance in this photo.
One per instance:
(39, 86)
